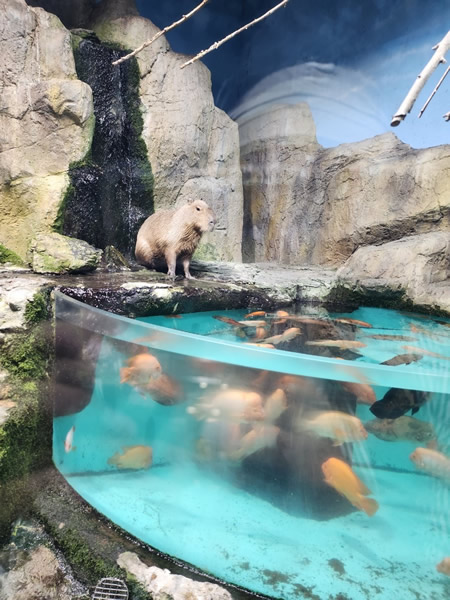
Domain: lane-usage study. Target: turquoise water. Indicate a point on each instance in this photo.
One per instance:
(265, 521)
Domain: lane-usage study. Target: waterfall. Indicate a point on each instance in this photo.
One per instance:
(111, 191)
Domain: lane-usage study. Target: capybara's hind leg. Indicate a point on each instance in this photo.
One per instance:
(186, 263)
(171, 259)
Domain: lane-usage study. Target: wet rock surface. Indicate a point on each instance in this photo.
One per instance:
(32, 568)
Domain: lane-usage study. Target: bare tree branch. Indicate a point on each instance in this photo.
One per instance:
(447, 116)
(228, 37)
(434, 91)
(422, 78)
(160, 33)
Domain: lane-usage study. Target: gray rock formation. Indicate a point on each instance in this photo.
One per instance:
(46, 121)
(309, 205)
(163, 585)
(193, 146)
(419, 264)
(55, 253)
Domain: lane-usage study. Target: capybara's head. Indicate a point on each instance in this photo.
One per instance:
(201, 215)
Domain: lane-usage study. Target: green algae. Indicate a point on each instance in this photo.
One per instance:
(8, 256)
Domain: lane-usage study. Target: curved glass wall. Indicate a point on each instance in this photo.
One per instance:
(252, 463)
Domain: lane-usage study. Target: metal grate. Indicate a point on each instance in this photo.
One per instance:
(110, 588)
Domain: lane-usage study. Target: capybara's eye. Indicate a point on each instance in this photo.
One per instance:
(198, 207)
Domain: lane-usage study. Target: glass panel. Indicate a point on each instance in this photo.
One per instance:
(253, 464)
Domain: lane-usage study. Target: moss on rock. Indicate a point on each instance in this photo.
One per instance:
(8, 256)
(38, 308)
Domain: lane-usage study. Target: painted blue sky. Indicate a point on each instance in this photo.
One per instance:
(353, 61)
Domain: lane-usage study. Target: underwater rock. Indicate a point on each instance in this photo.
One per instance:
(338, 199)
(55, 253)
(163, 585)
(45, 118)
(194, 147)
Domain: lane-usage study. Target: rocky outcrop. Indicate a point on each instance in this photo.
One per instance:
(163, 585)
(419, 264)
(309, 205)
(46, 120)
(55, 253)
(193, 146)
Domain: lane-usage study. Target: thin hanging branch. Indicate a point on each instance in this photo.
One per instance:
(160, 33)
(228, 37)
(422, 78)
(434, 91)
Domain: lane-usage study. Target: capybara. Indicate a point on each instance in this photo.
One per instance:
(173, 234)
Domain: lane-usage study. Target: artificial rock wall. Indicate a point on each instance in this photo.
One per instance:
(46, 121)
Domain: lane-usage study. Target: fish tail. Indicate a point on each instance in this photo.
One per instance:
(124, 374)
(368, 505)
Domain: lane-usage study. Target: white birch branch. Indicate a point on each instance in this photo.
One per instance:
(438, 58)
(447, 116)
(160, 33)
(231, 35)
(434, 91)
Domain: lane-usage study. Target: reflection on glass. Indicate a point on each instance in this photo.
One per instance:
(276, 470)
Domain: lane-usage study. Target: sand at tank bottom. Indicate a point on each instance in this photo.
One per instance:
(241, 538)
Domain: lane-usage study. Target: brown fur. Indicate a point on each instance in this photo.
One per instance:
(173, 234)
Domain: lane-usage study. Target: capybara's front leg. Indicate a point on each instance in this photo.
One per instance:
(186, 263)
(171, 259)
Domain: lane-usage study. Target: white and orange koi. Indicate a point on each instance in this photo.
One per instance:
(68, 442)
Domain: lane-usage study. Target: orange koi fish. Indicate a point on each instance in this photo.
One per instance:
(341, 477)
(228, 320)
(140, 369)
(256, 313)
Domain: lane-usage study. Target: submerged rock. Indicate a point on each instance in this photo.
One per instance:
(163, 585)
(55, 253)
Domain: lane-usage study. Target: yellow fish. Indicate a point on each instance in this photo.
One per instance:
(341, 477)
(286, 336)
(133, 457)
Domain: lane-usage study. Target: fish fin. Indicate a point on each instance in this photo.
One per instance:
(124, 374)
(368, 505)
(112, 460)
(73, 448)
(363, 489)
(339, 435)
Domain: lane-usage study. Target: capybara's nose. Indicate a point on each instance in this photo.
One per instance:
(212, 223)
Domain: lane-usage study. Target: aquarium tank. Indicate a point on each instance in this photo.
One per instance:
(224, 300)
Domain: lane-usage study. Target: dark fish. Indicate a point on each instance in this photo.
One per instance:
(399, 338)
(397, 402)
(402, 359)
(172, 316)
(227, 320)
